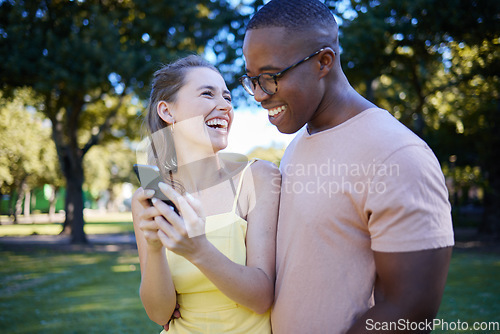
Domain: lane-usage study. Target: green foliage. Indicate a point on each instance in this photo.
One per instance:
(407, 52)
(71, 46)
(435, 66)
(88, 60)
(108, 166)
(26, 150)
(273, 154)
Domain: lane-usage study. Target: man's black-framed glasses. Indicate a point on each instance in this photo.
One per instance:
(268, 82)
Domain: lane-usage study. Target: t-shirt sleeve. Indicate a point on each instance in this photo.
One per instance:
(407, 205)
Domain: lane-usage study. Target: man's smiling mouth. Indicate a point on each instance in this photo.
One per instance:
(275, 112)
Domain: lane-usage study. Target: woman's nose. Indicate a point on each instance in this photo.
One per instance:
(225, 104)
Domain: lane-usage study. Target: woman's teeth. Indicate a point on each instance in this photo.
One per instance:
(273, 112)
(217, 123)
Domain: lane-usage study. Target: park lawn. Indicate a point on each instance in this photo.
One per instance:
(472, 292)
(94, 224)
(51, 292)
(55, 292)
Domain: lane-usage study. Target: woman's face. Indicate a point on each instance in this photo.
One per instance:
(202, 111)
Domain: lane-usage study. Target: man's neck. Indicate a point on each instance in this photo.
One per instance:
(339, 105)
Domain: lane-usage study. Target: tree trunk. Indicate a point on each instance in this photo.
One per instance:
(490, 224)
(490, 151)
(370, 94)
(418, 120)
(19, 200)
(1, 199)
(11, 205)
(27, 203)
(491, 219)
(52, 203)
(74, 222)
(111, 205)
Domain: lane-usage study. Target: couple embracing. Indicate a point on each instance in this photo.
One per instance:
(251, 248)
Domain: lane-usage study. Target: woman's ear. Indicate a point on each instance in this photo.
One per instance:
(163, 110)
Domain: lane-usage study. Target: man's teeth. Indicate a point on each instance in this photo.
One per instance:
(217, 122)
(275, 111)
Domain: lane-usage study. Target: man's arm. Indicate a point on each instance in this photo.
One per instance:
(408, 286)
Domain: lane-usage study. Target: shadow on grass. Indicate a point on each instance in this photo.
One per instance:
(53, 292)
(82, 291)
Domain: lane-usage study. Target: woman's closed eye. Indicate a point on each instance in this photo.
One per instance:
(207, 93)
(211, 94)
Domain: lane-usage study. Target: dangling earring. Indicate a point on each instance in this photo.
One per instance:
(172, 125)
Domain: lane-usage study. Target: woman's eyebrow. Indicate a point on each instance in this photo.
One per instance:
(225, 91)
(206, 87)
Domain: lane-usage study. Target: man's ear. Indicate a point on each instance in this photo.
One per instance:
(326, 61)
(163, 110)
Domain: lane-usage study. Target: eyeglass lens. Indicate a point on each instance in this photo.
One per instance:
(266, 82)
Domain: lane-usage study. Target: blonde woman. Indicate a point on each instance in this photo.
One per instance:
(216, 257)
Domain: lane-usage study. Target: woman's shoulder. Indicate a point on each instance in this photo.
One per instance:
(264, 169)
(252, 173)
(264, 175)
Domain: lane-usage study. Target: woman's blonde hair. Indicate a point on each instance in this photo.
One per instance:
(166, 83)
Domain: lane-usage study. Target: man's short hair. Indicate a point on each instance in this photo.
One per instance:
(293, 15)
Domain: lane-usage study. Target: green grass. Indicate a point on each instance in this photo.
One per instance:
(98, 224)
(472, 292)
(53, 292)
(50, 292)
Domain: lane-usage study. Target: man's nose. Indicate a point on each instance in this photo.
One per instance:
(260, 95)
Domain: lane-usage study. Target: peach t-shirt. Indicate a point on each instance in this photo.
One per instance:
(368, 184)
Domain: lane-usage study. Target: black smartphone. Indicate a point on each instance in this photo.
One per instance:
(149, 177)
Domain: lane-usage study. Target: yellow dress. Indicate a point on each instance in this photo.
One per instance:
(203, 307)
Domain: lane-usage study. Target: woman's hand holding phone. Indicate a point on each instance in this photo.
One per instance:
(182, 234)
(146, 213)
(149, 177)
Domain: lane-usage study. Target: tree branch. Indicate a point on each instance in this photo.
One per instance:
(94, 139)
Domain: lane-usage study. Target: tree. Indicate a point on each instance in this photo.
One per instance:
(27, 156)
(84, 59)
(273, 154)
(436, 65)
(107, 168)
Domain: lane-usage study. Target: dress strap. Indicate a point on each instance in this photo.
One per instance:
(238, 190)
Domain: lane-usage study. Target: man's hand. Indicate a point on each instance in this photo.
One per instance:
(175, 315)
(409, 286)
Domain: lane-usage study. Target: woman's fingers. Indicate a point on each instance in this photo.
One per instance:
(149, 213)
(195, 204)
(186, 211)
(169, 214)
(170, 192)
(149, 229)
(180, 202)
(166, 227)
(148, 225)
(143, 195)
(190, 209)
(167, 234)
